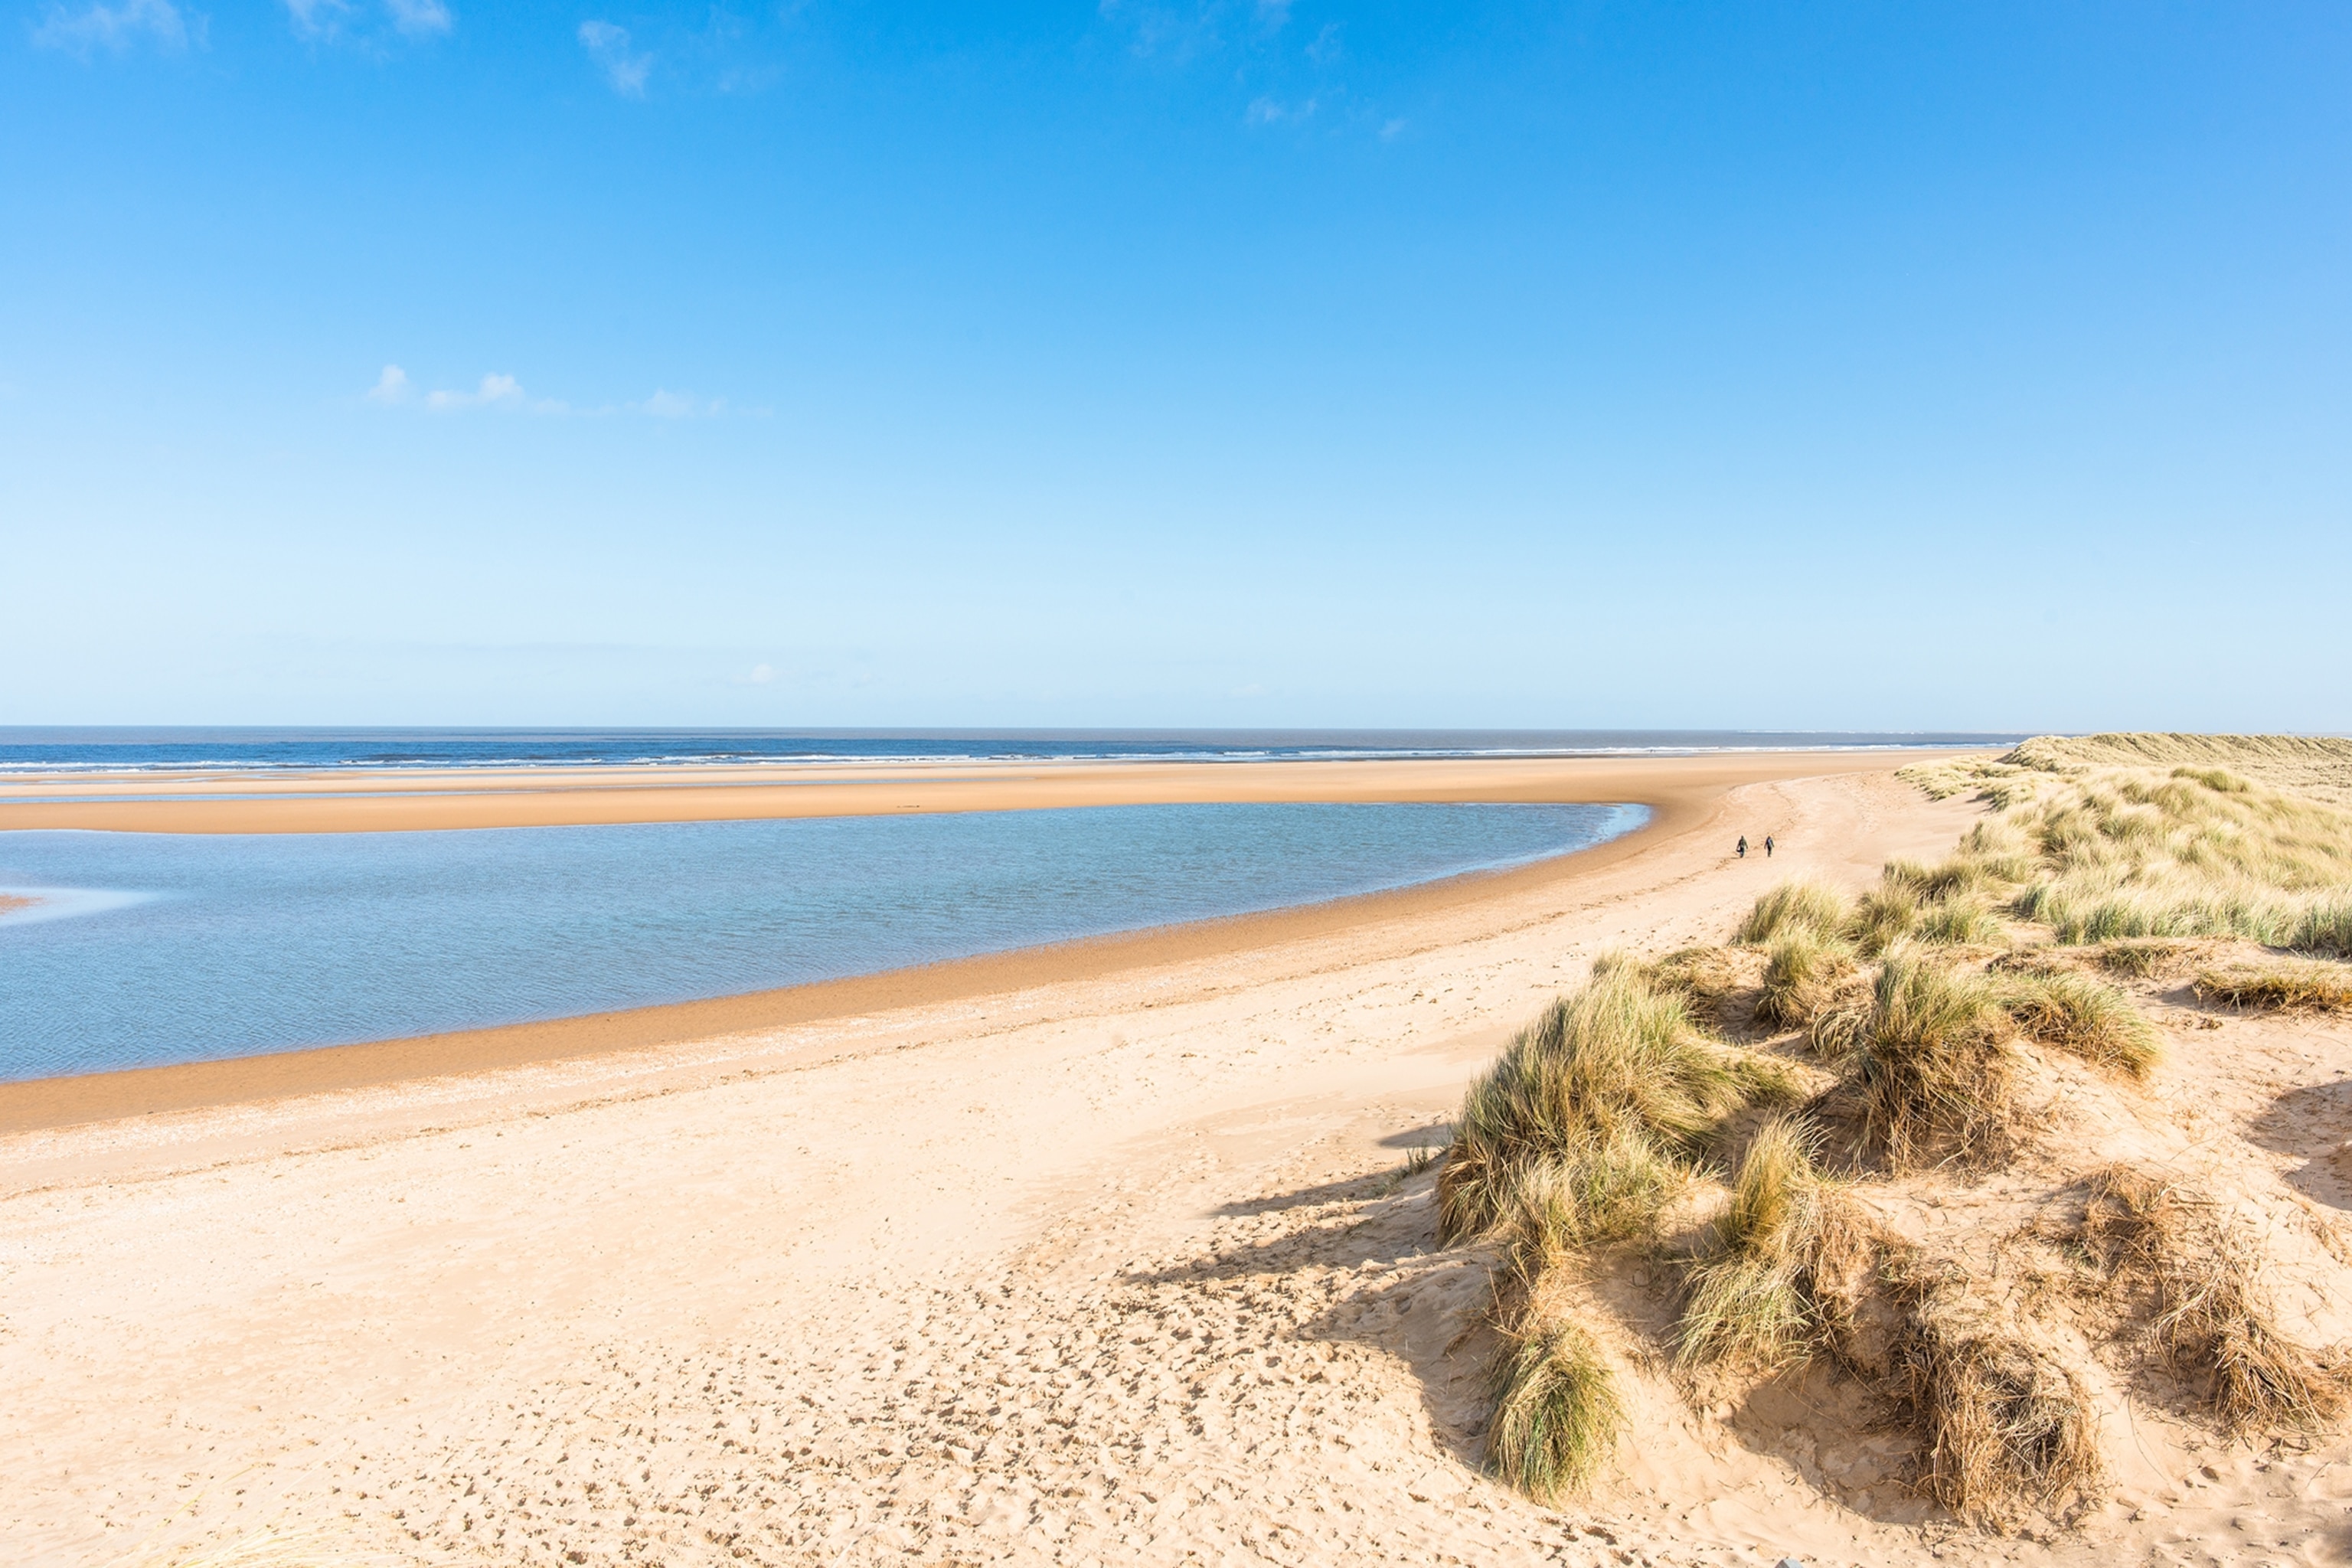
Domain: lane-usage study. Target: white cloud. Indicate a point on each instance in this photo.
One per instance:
(1392, 130)
(1327, 47)
(608, 45)
(317, 19)
(1271, 112)
(392, 386)
(117, 28)
(416, 16)
(761, 674)
(496, 391)
(393, 389)
(664, 404)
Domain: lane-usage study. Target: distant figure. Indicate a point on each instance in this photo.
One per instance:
(1767, 846)
(1742, 850)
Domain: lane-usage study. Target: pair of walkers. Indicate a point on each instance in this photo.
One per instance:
(1742, 850)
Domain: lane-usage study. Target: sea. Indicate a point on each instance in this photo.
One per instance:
(26, 749)
(148, 949)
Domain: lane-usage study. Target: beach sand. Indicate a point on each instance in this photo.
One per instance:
(1114, 1264)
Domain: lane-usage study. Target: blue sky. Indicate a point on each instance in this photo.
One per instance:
(1753, 365)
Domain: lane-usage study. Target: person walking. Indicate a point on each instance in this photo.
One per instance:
(1767, 846)
(1742, 850)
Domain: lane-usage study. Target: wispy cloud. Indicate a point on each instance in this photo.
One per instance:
(496, 391)
(335, 18)
(666, 405)
(390, 387)
(117, 27)
(1273, 111)
(419, 16)
(499, 392)
(608, 45)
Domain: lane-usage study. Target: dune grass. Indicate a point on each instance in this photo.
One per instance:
(2102, 842)
(2007, 1425)
(1602, 1093)
(1806, 905)
(1745, 1301)
(2278, 987)
(1933, 1067)
(2117, 858)
(1558, 1413)
(2083, 1017)
(2214, 1322)
(1802, 970)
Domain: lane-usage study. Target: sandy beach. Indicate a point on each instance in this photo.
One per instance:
(1101, 1254)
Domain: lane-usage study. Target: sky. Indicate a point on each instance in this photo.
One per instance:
(1162, 362)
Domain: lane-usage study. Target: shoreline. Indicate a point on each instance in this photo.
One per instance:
(1680, 794)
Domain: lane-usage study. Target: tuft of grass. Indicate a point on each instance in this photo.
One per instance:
(1608, 1190)
(2008, 1426)
(1556, 1411)
(1619, 1064)
(1882, 917)
(1934, 1068)
(2137, 958)
(1747, 1301)
(2324, 928)
(2214, 1322)
(1792, 906)
(1802, 970)
(1961, 922)
(2083, 1017)
(2283, 987)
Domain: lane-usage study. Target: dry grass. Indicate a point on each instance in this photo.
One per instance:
(1747, 1301)
(1703, 973)
(2139, 958)
(1802, 972)
(1617, 1067)
(2083, 1017)
(2213, 1321)
(1933, 1070)
(1557, 1410)
(2281, 987)
(2008, 1427)
(1812, 907)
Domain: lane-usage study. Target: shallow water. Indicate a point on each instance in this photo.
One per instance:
(153, 948)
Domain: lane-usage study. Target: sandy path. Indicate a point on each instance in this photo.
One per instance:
(1114, 1269)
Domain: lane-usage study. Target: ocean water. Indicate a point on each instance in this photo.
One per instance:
(27, 750)
(155, 948)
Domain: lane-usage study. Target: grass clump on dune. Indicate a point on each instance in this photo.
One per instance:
(2213, 1320)
(1557, 1410)
(1620, 1067)
(1747, 1301)
(1796, 906)
(2008, 1426)
(1934, 1071)
(2083, 1017)
(2284, 987)
(1802, 970)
